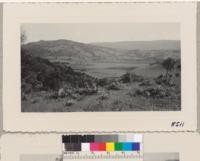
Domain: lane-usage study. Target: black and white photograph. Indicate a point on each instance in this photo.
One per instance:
(100, 67)
(161, 157)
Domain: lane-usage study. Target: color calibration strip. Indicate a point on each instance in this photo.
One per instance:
(126, 146)
(102, 143)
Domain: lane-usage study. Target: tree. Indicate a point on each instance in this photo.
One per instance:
(23, 37)
(169, 65)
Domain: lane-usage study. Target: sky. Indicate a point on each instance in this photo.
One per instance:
(102, 32)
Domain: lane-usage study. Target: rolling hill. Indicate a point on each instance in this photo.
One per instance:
(81, 53)
(142, 45)
(40, 74)
(69, 49)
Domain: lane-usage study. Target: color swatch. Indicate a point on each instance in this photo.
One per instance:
(102, 143)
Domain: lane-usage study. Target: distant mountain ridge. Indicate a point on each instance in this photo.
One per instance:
(82, 53)
(143, 45)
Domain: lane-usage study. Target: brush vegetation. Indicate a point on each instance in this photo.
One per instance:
(67, 76)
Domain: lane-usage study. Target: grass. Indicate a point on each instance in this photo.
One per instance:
(118, 100)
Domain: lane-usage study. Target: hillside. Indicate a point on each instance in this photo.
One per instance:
(72, 50)
(39, 74)
(80, 55)
(142, 45)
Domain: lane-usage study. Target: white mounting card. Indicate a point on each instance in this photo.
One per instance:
(99, 67)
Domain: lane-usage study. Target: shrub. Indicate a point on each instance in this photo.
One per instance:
(131, 77)
(70, 102)
(74, 96)
(23, 97)
(177, 74)
(61, 93)
(104, 96)
(34, 100)
(168, 64)
(26, 88)
(145, 83)
(165, 80)
(103, 82)
(117, 102)
(154, 92)
(138, 92)
(126, 78)
(52, 95)
(114, 86)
